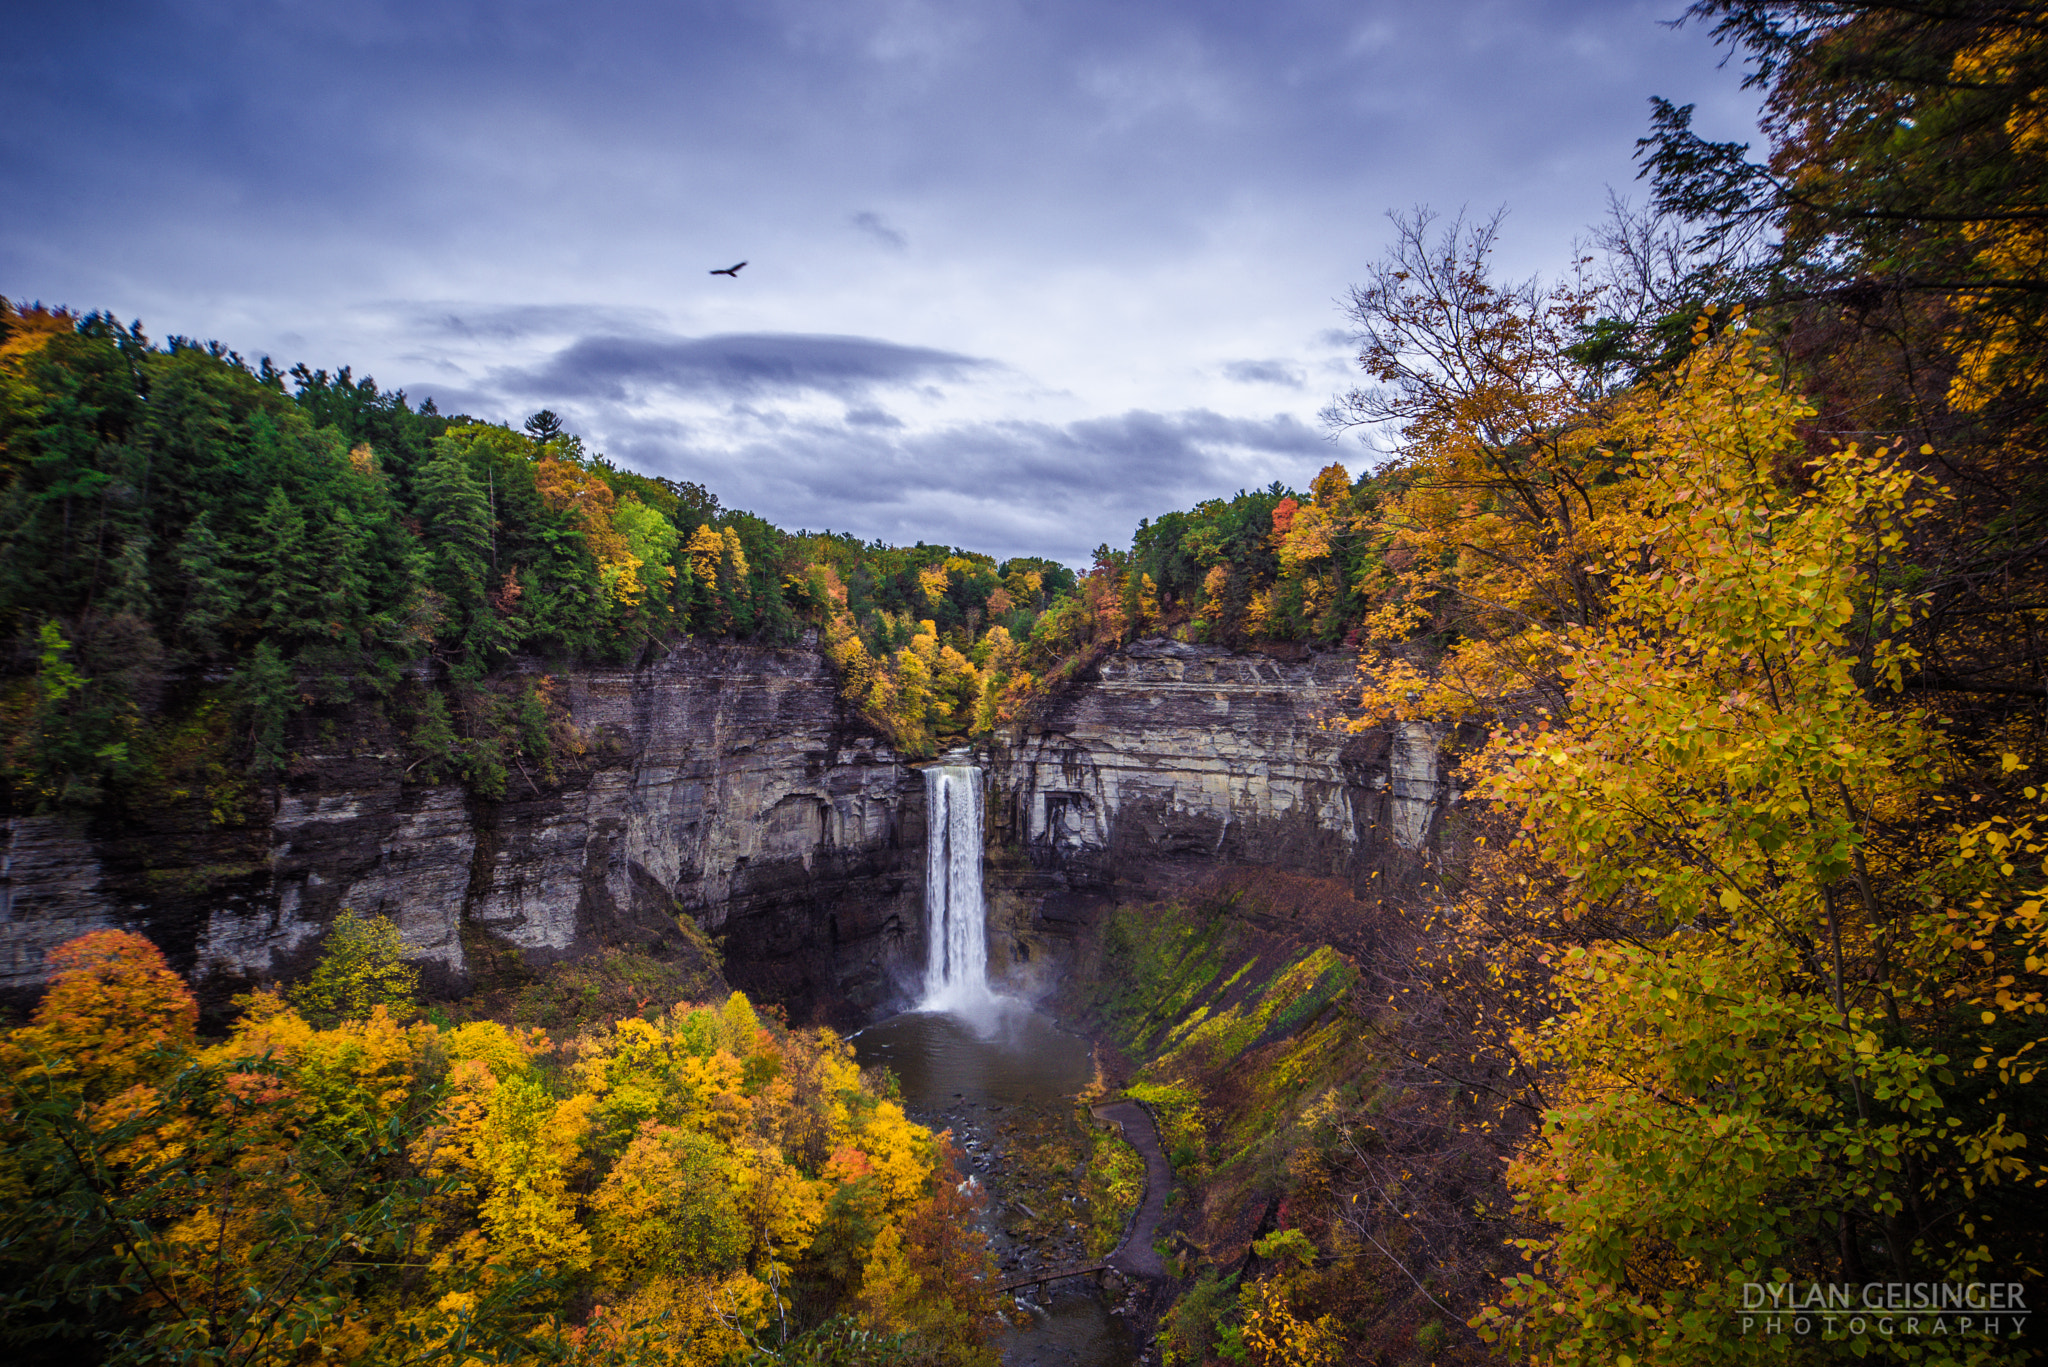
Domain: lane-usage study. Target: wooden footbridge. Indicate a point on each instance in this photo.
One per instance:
(1058, 1274)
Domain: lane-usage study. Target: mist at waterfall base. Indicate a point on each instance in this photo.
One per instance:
(966, 1056)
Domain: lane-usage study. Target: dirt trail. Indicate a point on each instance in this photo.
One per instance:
(1135, 1255)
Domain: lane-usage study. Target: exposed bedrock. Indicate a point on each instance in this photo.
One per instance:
(1173, 759)
(725, 783)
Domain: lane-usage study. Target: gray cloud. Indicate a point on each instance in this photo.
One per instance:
(1264, 372)
(1106, 200)
(502, 323)
(1005, 487)
(732, 365)
(878, 228)
(237, 141)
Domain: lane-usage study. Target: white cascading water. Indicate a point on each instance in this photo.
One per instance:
(956, 918)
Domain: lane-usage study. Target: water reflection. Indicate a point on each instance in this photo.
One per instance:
(959, 1073)
(1005, 1053)
(1076, 1331)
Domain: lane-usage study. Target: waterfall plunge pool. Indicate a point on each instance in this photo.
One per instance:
(1007, 1056)
(985, 1067)
(983, 1077)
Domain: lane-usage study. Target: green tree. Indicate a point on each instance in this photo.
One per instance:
(288, 574)
(82, 728)
(71, 392)
(544, 426)
(362, 966)
(458, 537)
(212, 589)
(345, 611)
(266, 693)
(132, 592)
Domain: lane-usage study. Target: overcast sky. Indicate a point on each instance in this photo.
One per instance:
(1018, 274)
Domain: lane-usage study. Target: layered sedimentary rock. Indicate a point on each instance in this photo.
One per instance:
(723, 783)
(726, 784)
(1171, 759)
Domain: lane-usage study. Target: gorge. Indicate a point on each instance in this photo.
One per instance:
(726, 783)
(725, 791)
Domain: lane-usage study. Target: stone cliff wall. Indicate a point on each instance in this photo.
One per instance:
(1172, 759)
(723, 783)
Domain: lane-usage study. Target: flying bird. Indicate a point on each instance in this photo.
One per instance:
(733, 271)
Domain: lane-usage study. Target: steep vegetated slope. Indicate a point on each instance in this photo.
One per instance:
(1744, 956)
(1337, 1191)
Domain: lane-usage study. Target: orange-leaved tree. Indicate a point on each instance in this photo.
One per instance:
(115, 1015)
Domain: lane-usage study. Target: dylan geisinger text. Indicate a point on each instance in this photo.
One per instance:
(1886, 1309)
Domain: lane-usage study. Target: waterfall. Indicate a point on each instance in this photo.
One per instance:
(956, 919)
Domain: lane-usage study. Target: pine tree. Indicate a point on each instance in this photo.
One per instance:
(265, 697)
(544, 426)
(344, 603)
(457, 515)
(132, 592)
(212, 588)
(288, 591)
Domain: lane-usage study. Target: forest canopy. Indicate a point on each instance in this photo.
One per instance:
(192, 549)
(680, 1190)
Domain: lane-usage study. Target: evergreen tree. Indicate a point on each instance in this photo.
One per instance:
(344, 602)
(288, 591)
(132, 593)
(213, 590)
(544, 426)
(457, 531)
(363, 414)
(266, 694)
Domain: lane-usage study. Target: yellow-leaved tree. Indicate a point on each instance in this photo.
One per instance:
(1745, 1040)
(362, 966)
(373, 1189)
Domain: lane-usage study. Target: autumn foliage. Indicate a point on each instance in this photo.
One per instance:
(115, 1014)
(1734, 858)
(693, 1189)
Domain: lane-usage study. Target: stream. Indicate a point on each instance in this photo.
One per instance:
(1005, 1080)
(991, 1077)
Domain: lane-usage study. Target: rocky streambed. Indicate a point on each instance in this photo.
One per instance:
(1054, 1198)
(1061, 1185)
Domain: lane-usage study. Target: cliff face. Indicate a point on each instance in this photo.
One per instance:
(724, 784)
(1177, 758)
